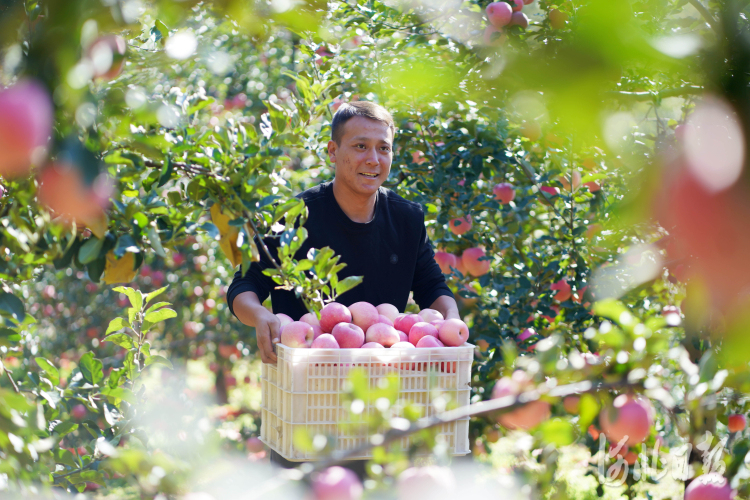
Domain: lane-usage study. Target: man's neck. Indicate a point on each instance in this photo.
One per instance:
(357, 208)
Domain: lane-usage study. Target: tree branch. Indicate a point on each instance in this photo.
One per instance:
(707, 16)
(472, 410)
(645, 96)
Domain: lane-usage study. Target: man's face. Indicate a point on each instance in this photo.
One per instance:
(363, 159)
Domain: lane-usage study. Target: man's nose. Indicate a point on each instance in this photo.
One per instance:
(372, 157)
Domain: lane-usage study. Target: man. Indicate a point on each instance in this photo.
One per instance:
(378, 234)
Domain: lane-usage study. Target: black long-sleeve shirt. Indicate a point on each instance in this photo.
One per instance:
(392, 252)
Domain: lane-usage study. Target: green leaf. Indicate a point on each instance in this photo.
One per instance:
(347, 284)
(157, 306)
(116, 324)
(160, 315)
(122, 339)
(610, 308)
(153, 238)
(64, 428)
(558, 432)
(153, 294)
(125, 243)
(48, 368)
(12, 305)
(135, 296)
(160, 360)
(9, 336)
(119, 393)
(90, 250)
(91, 368)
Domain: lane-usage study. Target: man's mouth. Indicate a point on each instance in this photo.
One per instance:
(369, 175)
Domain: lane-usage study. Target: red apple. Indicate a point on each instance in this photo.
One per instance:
(254, 444)
(421, 329)
(446, 260)
(372, 345)
(518, 5)
(26, 117)
(474, 266)
(317, 331)
(453, 332)
(504, 192)
(736, 423)
(552, 191)
(629, 416)
(62, 189)
(388, 310)
(460, 225)
(383, 334)
(527, 416)
(565, 180)
(332, 314)
(519, 19)
(78, 412)
(437, 322)
(405, 322)
(592, 186)
(297, 334)
(402, 337)
(572, 404)
(337, 483)
(711, 486)
(364, 315)
(310, 319)
(429, 315)
(285, 320)
(429, 341)
(498, 13)
(348, 335)
(325, 341)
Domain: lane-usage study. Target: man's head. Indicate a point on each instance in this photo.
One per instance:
(365, 109)
(361, 147)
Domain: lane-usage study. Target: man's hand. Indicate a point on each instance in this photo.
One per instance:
(251, 312)
(447, 306)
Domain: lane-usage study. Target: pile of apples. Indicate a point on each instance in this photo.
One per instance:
(363, 325)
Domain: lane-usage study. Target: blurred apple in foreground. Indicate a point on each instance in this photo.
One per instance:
(425, 482)
(26, 116)
(337, 483)
(711, 486)
(63, 190)
(630, 417)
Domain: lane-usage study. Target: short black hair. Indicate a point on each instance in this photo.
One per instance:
(365, 109)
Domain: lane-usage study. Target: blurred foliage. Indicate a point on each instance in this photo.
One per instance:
(221, 112)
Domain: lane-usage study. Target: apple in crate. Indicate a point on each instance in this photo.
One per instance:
(382, 334)
(402, 336)
(453, 332)
(405, 346)
(332, 314)
(436, 323)
(325, 341)
(297, 334)
(420, 330)
(284, 319)
(311, 319)
(372, 345)
(429, 341)
(388, 310)
(405, 322)
(429, 315)
(348, 335)
(364, 315)
(384, 319)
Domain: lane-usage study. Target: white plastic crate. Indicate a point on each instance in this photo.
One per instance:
(304, 391)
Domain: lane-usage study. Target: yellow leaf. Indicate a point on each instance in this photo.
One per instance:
(220, 220)
(229, 234)
(98, 224)
(119, 270)
(228, 244)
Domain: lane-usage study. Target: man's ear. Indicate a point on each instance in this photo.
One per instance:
(332, 148)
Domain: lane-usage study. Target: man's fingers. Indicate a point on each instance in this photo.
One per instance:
(263, 335)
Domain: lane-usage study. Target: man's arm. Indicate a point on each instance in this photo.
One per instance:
(250, 311)
(447, 306)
